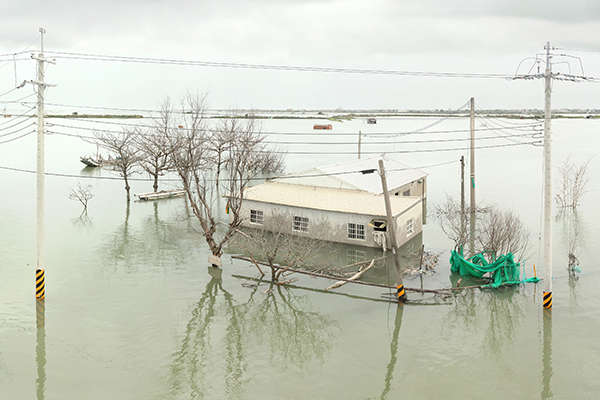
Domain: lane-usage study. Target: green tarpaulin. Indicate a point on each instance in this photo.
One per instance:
(503, 270)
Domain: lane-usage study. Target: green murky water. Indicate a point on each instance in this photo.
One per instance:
(133, 311)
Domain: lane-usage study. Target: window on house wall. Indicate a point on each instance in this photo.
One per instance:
(300, 224)
(256, 217)
(378, 225)
(406, 193)
(410, 226)
(356, 231)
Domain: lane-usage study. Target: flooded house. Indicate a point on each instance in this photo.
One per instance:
(348, 196)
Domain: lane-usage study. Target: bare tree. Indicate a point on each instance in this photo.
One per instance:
(193, 159)
(572, 182)
(497, 231)
(82, 194)
(276, 244)
(126, 152)
(453, 221)
(502, 231)
(154, 149)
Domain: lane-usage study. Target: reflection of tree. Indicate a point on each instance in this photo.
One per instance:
(83, 221)
(296, 335)
(274, 318)
(153, 243)
(493, 308)
(572, 235)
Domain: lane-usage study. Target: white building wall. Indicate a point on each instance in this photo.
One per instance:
(338, 222)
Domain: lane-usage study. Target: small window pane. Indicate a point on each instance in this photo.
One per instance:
(356, 231)
(300, 224)
(256, 217)
(410, 226)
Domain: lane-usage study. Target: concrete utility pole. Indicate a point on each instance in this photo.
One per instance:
(472, 180)
(392, 231)
(40, 229)
(547, 181)
(462, 198)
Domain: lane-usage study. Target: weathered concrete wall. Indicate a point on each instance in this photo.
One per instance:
(338, 222)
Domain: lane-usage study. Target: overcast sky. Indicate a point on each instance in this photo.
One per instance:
(483, 37)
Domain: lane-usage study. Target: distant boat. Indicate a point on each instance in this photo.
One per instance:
(371, 121)
(98, 162)
(163, 194)
(89, 162)
(323, 126)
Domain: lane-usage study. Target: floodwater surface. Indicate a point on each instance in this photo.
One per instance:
(133, 311)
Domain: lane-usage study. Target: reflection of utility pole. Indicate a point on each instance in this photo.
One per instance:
(40, 350)
(472, 180)
(392, 231)
(41, 87)
(547, 371)
(393, 350)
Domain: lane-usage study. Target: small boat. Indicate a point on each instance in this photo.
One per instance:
(323, 126)
(90, 162)
(371, 121)
(163, 194)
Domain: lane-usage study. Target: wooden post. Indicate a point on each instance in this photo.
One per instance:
(392, 231)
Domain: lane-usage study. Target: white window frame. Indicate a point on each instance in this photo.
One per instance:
(356, 231)
(300, 224)
(410, 227)
(257, 217)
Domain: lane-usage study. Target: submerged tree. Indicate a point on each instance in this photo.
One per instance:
(127, 154)
(154, 147)
(497, 231)
(83, 194)
(277, 245)
(193, 159)
(572, 183)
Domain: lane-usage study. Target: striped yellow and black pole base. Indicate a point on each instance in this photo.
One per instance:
(401, 293)
(40, 284)
(548, 300)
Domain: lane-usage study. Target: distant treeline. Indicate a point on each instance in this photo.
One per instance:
(75, 115)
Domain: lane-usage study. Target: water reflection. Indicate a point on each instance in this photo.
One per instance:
(573, 237)
(83, 221)
(224, 337)
(153, 242)
(393, 352)
(495, 312)
(40, 349)
(547, 370)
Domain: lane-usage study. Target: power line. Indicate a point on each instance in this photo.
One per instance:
(18, 137)
(147, 60)
(519, 135)
(221, 179)
(13, 125)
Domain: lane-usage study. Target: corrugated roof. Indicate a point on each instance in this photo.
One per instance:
(344, 175)
(320, 198)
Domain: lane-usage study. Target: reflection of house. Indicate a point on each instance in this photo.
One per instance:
(350, 200)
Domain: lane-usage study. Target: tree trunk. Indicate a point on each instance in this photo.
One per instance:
(155, 183)
(127, 188)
